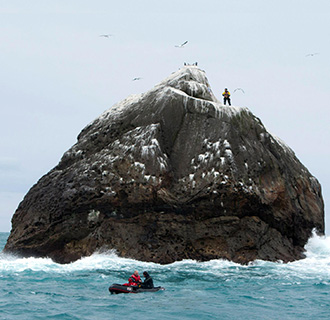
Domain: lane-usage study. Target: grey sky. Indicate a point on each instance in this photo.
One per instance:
(58, 74)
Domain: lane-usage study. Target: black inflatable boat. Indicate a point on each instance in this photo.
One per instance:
(118, 288)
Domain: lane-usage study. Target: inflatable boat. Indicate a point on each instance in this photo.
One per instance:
(118, 288)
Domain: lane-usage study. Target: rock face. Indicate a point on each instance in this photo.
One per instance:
(168, 175)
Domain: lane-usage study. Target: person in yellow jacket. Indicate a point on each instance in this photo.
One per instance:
(226, 97)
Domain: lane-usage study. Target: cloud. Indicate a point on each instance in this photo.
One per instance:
(9, 164)
(9, 201)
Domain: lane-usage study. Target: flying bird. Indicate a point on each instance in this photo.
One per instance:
(135, 79)
(182, 45)
(239, 89)
(311, 54)
(106, 35)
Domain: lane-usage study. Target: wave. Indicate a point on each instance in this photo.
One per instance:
(316, 263)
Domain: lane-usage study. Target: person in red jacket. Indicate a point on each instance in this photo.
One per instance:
(134, 280)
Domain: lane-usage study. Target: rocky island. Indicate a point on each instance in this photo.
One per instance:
(172, 174)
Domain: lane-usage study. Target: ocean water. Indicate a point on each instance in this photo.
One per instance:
(36, 288)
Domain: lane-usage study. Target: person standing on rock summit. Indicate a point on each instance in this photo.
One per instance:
(226, 97)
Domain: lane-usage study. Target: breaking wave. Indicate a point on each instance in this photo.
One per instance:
(38, 288)
(316, 263)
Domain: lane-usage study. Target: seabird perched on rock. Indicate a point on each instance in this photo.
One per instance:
(187, 64)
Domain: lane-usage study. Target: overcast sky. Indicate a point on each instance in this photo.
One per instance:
(57, 74)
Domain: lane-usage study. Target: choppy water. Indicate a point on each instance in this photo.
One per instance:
(41, 289)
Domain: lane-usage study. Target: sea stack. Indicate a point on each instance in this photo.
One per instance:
(172, 174)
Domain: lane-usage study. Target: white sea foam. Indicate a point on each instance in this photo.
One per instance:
(316, 264)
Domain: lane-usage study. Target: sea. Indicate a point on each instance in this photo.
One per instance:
(38, 288)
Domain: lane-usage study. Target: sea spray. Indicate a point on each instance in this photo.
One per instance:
(316, 262)
(38, 288)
